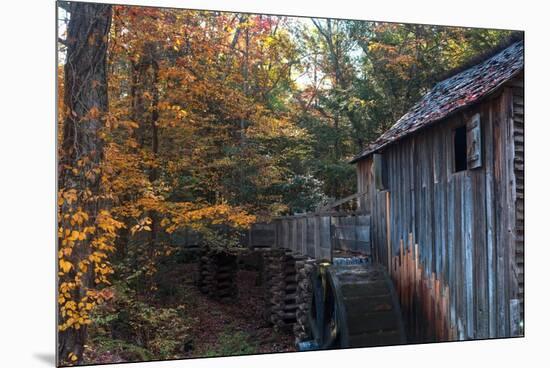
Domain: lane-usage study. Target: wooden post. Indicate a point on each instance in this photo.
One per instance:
(437, 309)
(388, 235)
(355, 246)
(410, 274)
(317, 236)
(332, 240)
(401, 271)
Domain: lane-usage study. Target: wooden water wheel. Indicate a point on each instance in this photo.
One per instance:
(354, 306)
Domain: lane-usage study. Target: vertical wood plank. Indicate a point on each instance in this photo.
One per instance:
(512, 279)
(388, 232)
(317, 237)
(458, 259)
(499, 128)
(468, 249)
(489, 214)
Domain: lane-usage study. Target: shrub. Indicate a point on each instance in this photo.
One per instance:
(125, 324)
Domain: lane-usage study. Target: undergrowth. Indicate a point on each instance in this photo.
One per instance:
(136, 330)
(232, 343)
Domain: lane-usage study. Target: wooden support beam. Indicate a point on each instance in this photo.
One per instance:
(342, 201)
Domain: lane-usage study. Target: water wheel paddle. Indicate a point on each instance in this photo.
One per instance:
(354, 306)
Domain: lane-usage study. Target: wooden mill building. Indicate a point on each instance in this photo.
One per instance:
(445, 191)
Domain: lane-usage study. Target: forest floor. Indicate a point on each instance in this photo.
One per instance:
(214, 328)
(236, 328)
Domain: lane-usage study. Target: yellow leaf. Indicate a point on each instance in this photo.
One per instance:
(74, 235)
(72, 356)
(83, 267)
(70, 195)
(65, 265)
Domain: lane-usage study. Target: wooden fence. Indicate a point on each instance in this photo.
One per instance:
(315, 234)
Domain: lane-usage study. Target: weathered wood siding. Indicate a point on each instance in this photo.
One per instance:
(454, 245)
(261, 235)
(306, 235)
(519, 139)
(315, 234)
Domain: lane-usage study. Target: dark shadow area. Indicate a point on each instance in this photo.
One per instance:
(46, 358)
(460, 149)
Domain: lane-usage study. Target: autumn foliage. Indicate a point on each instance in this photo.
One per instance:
(179, 119)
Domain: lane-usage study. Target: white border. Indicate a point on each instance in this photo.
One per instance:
(27, 181)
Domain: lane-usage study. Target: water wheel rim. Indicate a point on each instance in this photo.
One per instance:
(340, 338)
(316, 310)
(396, 307)
(332, 323)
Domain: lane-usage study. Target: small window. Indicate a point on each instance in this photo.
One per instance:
(379, 172)
(461, 159)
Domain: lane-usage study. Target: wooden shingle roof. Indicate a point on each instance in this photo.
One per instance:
(452, 94)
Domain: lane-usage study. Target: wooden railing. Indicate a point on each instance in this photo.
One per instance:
(317, 234)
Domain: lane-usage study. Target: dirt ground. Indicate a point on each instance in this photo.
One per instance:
(218, 322)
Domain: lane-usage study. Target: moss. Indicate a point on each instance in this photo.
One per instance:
(232, 343)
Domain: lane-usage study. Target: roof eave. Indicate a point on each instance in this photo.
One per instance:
(481, 98)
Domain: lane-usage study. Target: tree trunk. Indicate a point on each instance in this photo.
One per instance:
(81, 153)
(145, 112)
(155, 148)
